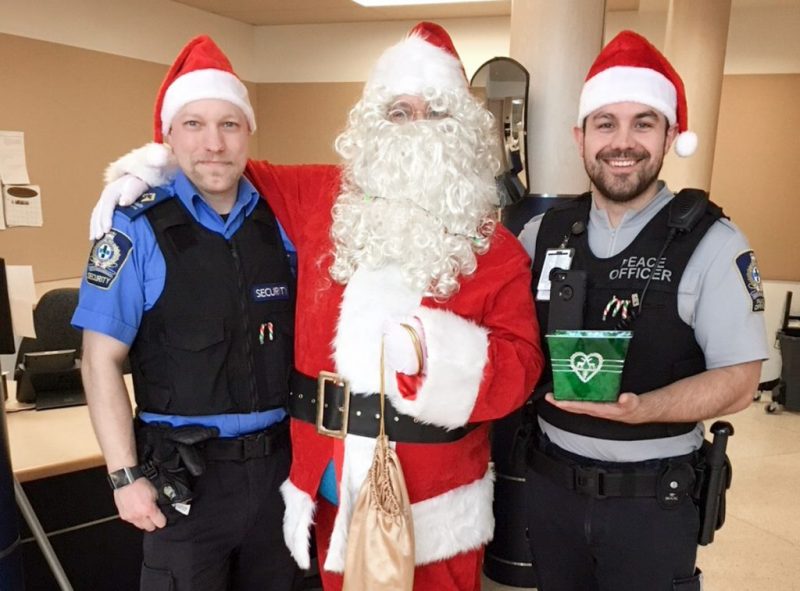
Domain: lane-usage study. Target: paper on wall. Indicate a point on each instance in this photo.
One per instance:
(22, 297)
(13, 169)
(23, 205)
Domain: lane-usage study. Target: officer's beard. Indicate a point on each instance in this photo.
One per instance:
(623, 188)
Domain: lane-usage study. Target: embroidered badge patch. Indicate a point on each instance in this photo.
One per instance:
(268, 292)
(746, 263)
(107, 258)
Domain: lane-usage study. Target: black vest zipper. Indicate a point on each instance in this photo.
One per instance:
(243, 309)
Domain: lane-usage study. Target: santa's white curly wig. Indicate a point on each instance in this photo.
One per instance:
(421, 195)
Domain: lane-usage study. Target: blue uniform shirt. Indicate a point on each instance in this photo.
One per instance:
(132, 282)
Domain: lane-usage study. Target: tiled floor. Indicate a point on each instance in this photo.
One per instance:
(758, 549)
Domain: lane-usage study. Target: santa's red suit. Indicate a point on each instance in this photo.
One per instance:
(482, 361)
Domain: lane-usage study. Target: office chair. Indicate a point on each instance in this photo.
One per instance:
(51, 320)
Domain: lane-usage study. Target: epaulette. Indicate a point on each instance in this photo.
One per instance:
(144, 202)
(576, 202)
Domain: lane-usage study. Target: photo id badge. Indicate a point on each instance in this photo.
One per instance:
(554, 258)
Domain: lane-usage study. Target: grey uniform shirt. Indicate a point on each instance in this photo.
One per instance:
(712, 298)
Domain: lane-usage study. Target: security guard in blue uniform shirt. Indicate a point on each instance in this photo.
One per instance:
(611, 487)
(193, 283)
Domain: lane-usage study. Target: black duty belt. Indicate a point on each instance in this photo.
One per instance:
(594, 481)
(247, 447)
(326, 402)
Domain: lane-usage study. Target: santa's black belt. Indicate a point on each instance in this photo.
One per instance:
(363, 412)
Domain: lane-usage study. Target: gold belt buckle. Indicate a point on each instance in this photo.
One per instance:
(336, 380)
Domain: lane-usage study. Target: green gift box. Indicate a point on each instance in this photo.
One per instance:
(587, 364)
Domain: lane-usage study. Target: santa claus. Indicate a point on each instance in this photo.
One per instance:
(400, 244)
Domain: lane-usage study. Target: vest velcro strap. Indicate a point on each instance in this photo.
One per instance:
(364, 414)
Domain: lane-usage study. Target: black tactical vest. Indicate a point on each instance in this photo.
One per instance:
(663, 348)
(220, 337)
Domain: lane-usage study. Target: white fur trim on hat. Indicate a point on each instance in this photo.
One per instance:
(622, 84)
(205, 84)
(413, 65)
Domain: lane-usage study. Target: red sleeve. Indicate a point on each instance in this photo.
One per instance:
(294, 190)
(482, 365)
(514, 361)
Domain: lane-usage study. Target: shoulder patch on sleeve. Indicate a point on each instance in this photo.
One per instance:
(108, 256)
(144, 202)
(748, 268)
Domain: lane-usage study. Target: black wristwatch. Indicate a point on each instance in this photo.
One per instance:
(124, 477)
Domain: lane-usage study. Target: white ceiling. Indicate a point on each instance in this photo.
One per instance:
(305, 12)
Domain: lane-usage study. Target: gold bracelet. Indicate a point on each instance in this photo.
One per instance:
(417, 345)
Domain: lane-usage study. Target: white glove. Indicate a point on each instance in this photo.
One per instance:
(404, 346)
(151, 165)
(123, 191)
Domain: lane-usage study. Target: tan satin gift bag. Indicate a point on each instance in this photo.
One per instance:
(380, 542)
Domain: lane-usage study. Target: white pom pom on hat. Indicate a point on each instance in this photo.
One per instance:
(631, 69)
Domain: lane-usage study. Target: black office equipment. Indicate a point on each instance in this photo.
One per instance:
(51, 319)
(787, 392)
(11, 573)
(51, 379)
(6, 329)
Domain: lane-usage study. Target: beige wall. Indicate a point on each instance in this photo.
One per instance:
(298, 122)
(80, 108)
(756, 165)
(77, 108)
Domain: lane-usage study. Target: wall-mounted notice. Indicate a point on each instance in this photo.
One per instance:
(23, 205)
(13, 170)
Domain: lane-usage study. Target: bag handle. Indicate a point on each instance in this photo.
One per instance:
(382, 432)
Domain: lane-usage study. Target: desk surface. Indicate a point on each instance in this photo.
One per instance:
(50, 442)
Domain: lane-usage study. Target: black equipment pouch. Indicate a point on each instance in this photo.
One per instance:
(525, 437)
(674, 484)
(710, 492)
(170, 460)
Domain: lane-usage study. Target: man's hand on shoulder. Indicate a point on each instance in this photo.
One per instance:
(123, 191)
(136, 504)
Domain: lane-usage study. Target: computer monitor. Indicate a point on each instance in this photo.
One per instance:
(6, 329)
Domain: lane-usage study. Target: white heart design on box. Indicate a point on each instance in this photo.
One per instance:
(585, 366)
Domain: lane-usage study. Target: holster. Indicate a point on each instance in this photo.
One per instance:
(170, 459)
(712, 484)
(524, 437)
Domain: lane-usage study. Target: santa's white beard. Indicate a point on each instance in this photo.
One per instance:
(419, 195)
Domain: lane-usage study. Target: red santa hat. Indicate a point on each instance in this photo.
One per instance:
(631, 69)
(426, 58)
(201, 71)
